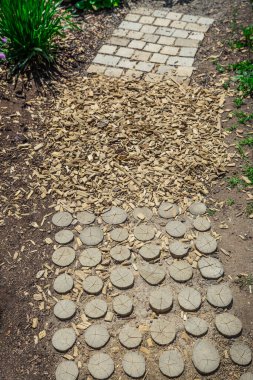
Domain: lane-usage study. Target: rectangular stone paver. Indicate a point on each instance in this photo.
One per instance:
(125, 52)
(108, 60)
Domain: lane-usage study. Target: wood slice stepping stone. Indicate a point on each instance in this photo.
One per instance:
(64, 309)
(120, 253)
(168, 210)
(153, 274)
(181, 271)
(144, 232)
(122, 278)
(63, 256)
(202, 224)
(205, 357)
(64, 237)
(197, 208)
(189, 299)
(64, 339)
(247, 376)
(134, 364)
(85, 217)
(163, 332)
(206, 244)
(142, 213)
(62, 219)
(219, 295)
(90, 257)
(67, 370)
(210, 268)
(115, 215)
(130, 337)
(240, 353)
(122, 305)
(96, 308)
(150, 252)
(161, 300)
(171, 363)
(100, 366)
(175, 228)
(196, 326)
(178, 249)
(96, 336)
(93, 285)
(92, 236)
(119, 234)
(63, 283)
(228, 325)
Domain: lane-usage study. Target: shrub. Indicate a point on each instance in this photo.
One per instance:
(96, 4)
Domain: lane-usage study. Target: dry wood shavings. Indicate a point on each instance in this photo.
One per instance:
(111, 140)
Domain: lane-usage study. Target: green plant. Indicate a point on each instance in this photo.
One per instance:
(243, 77)
(242, 117)
(211, 211)
(245, 280)
(226, 84)
(249, 208)
(31, 28)
(238, 102)
(96, 4)
(233, 128)
(220, 68)
(230, 201)
(234, 181)
(249, 173)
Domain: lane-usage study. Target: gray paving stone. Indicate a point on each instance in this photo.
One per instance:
(130, 25)
(178, 24)
(115, 215)
(219, 295)
(120, 33)
(113, 72)
(174, 16)
(228, 325)
(126, 63)
(168, 32)
(93, 285)
(171, 363)
(148, 29)
(134, 364)
(122, 305)
(130, 337)
(141, 56)
(196, 326)
(64, 339)
(122, 278)
(168, 41)
(119, 41)
(125, 52)
(92, 235)
(182, 71)
(150, 38)
(100, 366)
(150, 251)
(205, 357)
(181, 271)
(153, 77)
(90, 257)
(147, 20)
(144, 232)
(210, 268)
(168, 210)
(107, 49)
(178, 249)
(196, 27)
(206, 243)
(153, 274)
(180, 33)
(190, 18)
(119, 234)
(240, 353)
(120, 253)
(133, 74)
(201, 224)
(64, 237)
(142, 11)
(180, 61)
(142, 213)
(66, 370)
(64, 309)
(96, 69)
(96, 336)
(137, 44)
(132, 17)
(162, 22)
(158, 58)
(134, 35)
(163, 69)
(63, 256)
(197, 208)
(205, 21)
(247, 376)
(63, 283)
(153, 48)
(161, 300)
(62, 219)
(163, 332)
(175, 228)
(108, 60)
(189, 299)
(170, 50)
(96, 308)
(85, 217)
(197, 36)
(159, 13)
(188, 52)
(183, 42)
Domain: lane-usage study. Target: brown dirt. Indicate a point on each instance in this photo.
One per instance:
(20, 359)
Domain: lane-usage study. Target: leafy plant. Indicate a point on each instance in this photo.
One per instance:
(242, 117)
(249, 208)
(96, 4)
(230, 201)
(238, 102)
(234, 181)
(249, 173)
(31, 28)
(244, 77)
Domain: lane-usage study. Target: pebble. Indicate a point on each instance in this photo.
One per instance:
(96, 308)
(168, 210)
(206, 244)
(122, 305)
(197, 208)
(228, 325)
(90, 257)
(171, 363)
(134, 364)
(178, 249)
(181, 271)
(210, 268)
(120, 253)
(67, 370)
(65, 309)
(189, 299)
(162, 331)
(63, 283)
(219, 295)
(196, 326)
(240, 353)
(153, 274)
(247, 376)
(64, 237)
(205, 356)
(85, 217)
(62, 219)
(119, 234)
(175, 228)
(63, 256)
(130, 337)
(150, 252)
(122, 278)
(92, 235)
(202, 224)
(63, 339)
(100, 366)
(161, 300)
(115, 215)
(144, 232)
(93, 285)
(142, 213)
(96, 336)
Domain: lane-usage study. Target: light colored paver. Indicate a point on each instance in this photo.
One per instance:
(64, 309)
(96, 336)
(92, 235)
(62, 219)
(120, 253)
(144, 66)
(144, 232)
(63, 339)
(196, 326)
(137, 44)
(240, 353)
(153, 48)
(228, 325)
(101, 366)
(175, 228)
(153, 274)
(113, 72)
(171, 363)
(119, 234)
(168, 41)
(179, 33)
(219, 295)
(142, 213)
(181, 271)
(134, 364)
(150, 38)
(147, 20)
(202, 224)
(125, 52)
(93, 285)
(162, 22)
(210, 268)
(188, 52)
(96, 308)
(161, 300)
(107, 49)
(130, 25)
(107, 60)
(85, 217)
(122, 305)
(126, 63)
(189, 299)
(90, 257)
(63, 283)
(178, 249)
(64, 237)
(130, 337)
(150, 251)
(180, 61)
(158, 58)
(247, 376)
(162, 31)
(163, 332)
(197, 208)
(63, 256)
(169, 50)
(141, 55)
(67, 370)
(118, 41)
(205, 357)
(206, 244)
(115, 215)
(122, 278)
